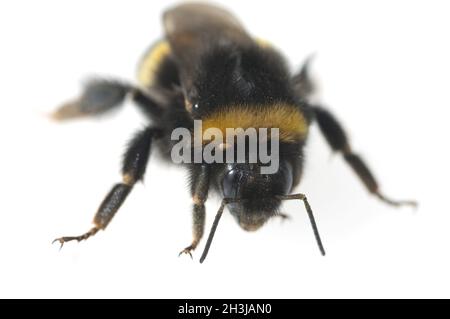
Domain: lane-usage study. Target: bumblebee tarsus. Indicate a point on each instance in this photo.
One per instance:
(63, 240)
(396, 203)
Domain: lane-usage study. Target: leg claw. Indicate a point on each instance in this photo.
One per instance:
(187, 251)
(63, 240)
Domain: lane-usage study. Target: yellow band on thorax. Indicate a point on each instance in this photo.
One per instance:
(290, 121)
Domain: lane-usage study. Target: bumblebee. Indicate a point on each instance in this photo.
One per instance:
(209, 68)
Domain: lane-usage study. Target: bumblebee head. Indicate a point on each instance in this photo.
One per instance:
(257, 193)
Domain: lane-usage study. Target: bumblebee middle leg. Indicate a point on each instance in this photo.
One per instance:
(337, 139)
(103, 95)
(133, 170)
(199, 191)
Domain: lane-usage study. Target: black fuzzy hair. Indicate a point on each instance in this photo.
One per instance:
(249, 76)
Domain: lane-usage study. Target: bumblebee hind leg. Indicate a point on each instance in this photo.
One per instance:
(101, 96)
(337, 139)
(133, 170)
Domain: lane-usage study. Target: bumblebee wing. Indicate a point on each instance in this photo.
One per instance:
(193, 27)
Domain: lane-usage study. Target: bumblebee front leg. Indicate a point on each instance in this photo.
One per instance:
(199, 192)
(337, 139)
(133, 170)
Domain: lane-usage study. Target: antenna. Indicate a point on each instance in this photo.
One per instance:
(302, 197)
(225, 201)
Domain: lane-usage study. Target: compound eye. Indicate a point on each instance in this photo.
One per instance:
(230, 183)
(284, 178)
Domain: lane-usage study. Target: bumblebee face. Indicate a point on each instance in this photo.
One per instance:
(257, 192)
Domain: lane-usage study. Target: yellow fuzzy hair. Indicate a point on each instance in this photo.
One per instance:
(290, 121)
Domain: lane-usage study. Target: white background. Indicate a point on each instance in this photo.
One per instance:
(383, 68)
